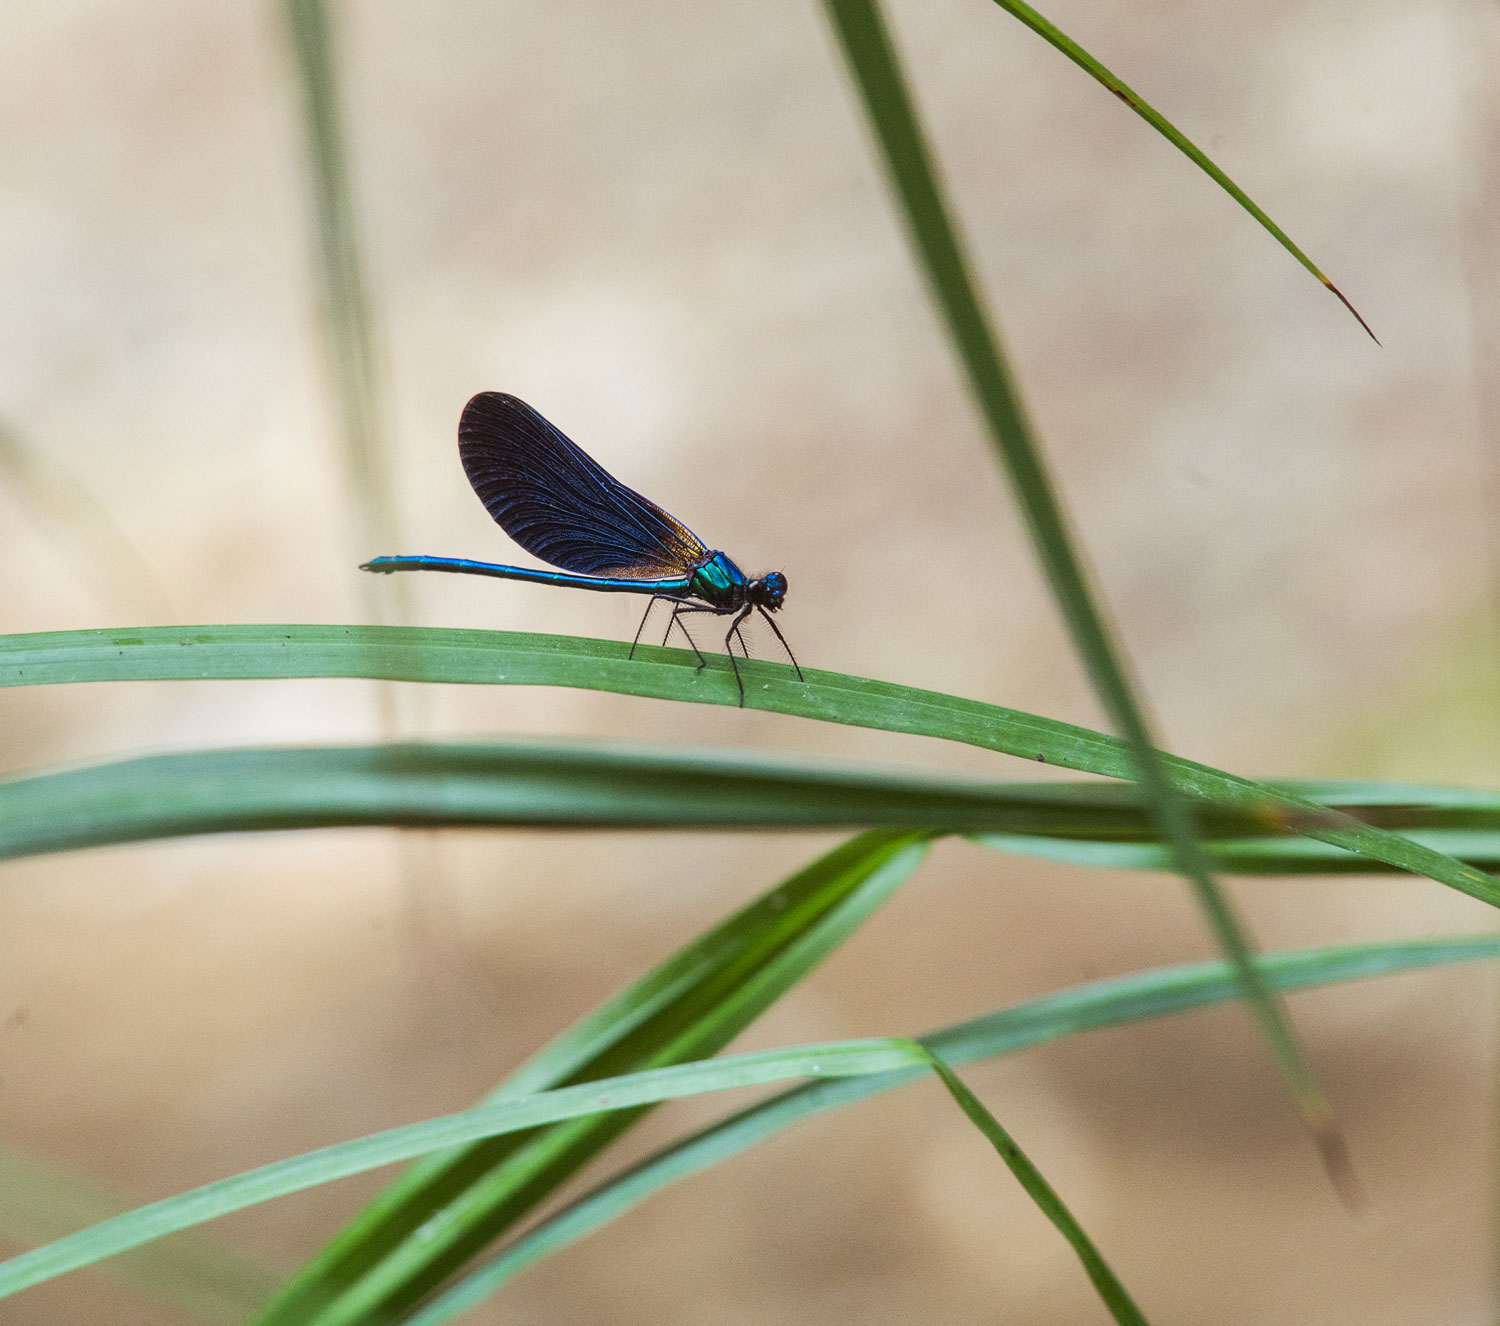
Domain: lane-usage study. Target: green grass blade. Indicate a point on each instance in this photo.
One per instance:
(886, 1062)
(1102, 825)
(431, 654)
(515, 784)
(1119, 1303)
(196, 1276)
(620, 786)
(1099, 1004)
(494, 1118)
(877, 73)
(774, 939)
(436, 1216)
(1243, 856)
(1054, 37)
(523, 784)
(353, 359)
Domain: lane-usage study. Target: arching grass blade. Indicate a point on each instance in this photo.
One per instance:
(1117, 1000)
(940, 251)
(492, 1119)
(876, 1064)
(1055, 37)
(619, 786)
(431, 654)
(445, 1209)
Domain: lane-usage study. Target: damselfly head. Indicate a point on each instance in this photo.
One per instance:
(768, 592)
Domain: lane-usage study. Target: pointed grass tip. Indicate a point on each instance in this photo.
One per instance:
(1343, 299)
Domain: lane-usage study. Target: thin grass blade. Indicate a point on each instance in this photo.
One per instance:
(1139, 996)
(1058, 39)
(349, 331)
(876, 68)
(882, 1063)
(437, 1215)
(494, 1118)
(619, 786)
(1121, 1306)
(431, 654)
(190, 1273)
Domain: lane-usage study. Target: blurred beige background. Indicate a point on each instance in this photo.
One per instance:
(662, 225)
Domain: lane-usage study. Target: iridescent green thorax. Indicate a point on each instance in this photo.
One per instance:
(720, 582)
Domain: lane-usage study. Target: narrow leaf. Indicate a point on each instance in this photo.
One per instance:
(1119, 1303)
(192, 1273)
(617, 786)
(349, 331)
(873, 61)
(1111, 1002)
(431, 654)
(1053, 36)
(437, 1215)
(297, 1173)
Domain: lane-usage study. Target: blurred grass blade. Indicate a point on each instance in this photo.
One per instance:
(1106, 1003)
(432, 1219)
(354, 364)
(1241, 856)
(515, 784)
(620, 786)
(298, 1173)
(1102, 825)
(1056, 38)
(432, 654)
(1119, 1303)
(877, 73)
(106, 559)
(39, 1201)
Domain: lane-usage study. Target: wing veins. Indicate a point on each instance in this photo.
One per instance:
(560, 504)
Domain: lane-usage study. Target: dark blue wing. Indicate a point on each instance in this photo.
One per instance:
(560, 505)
